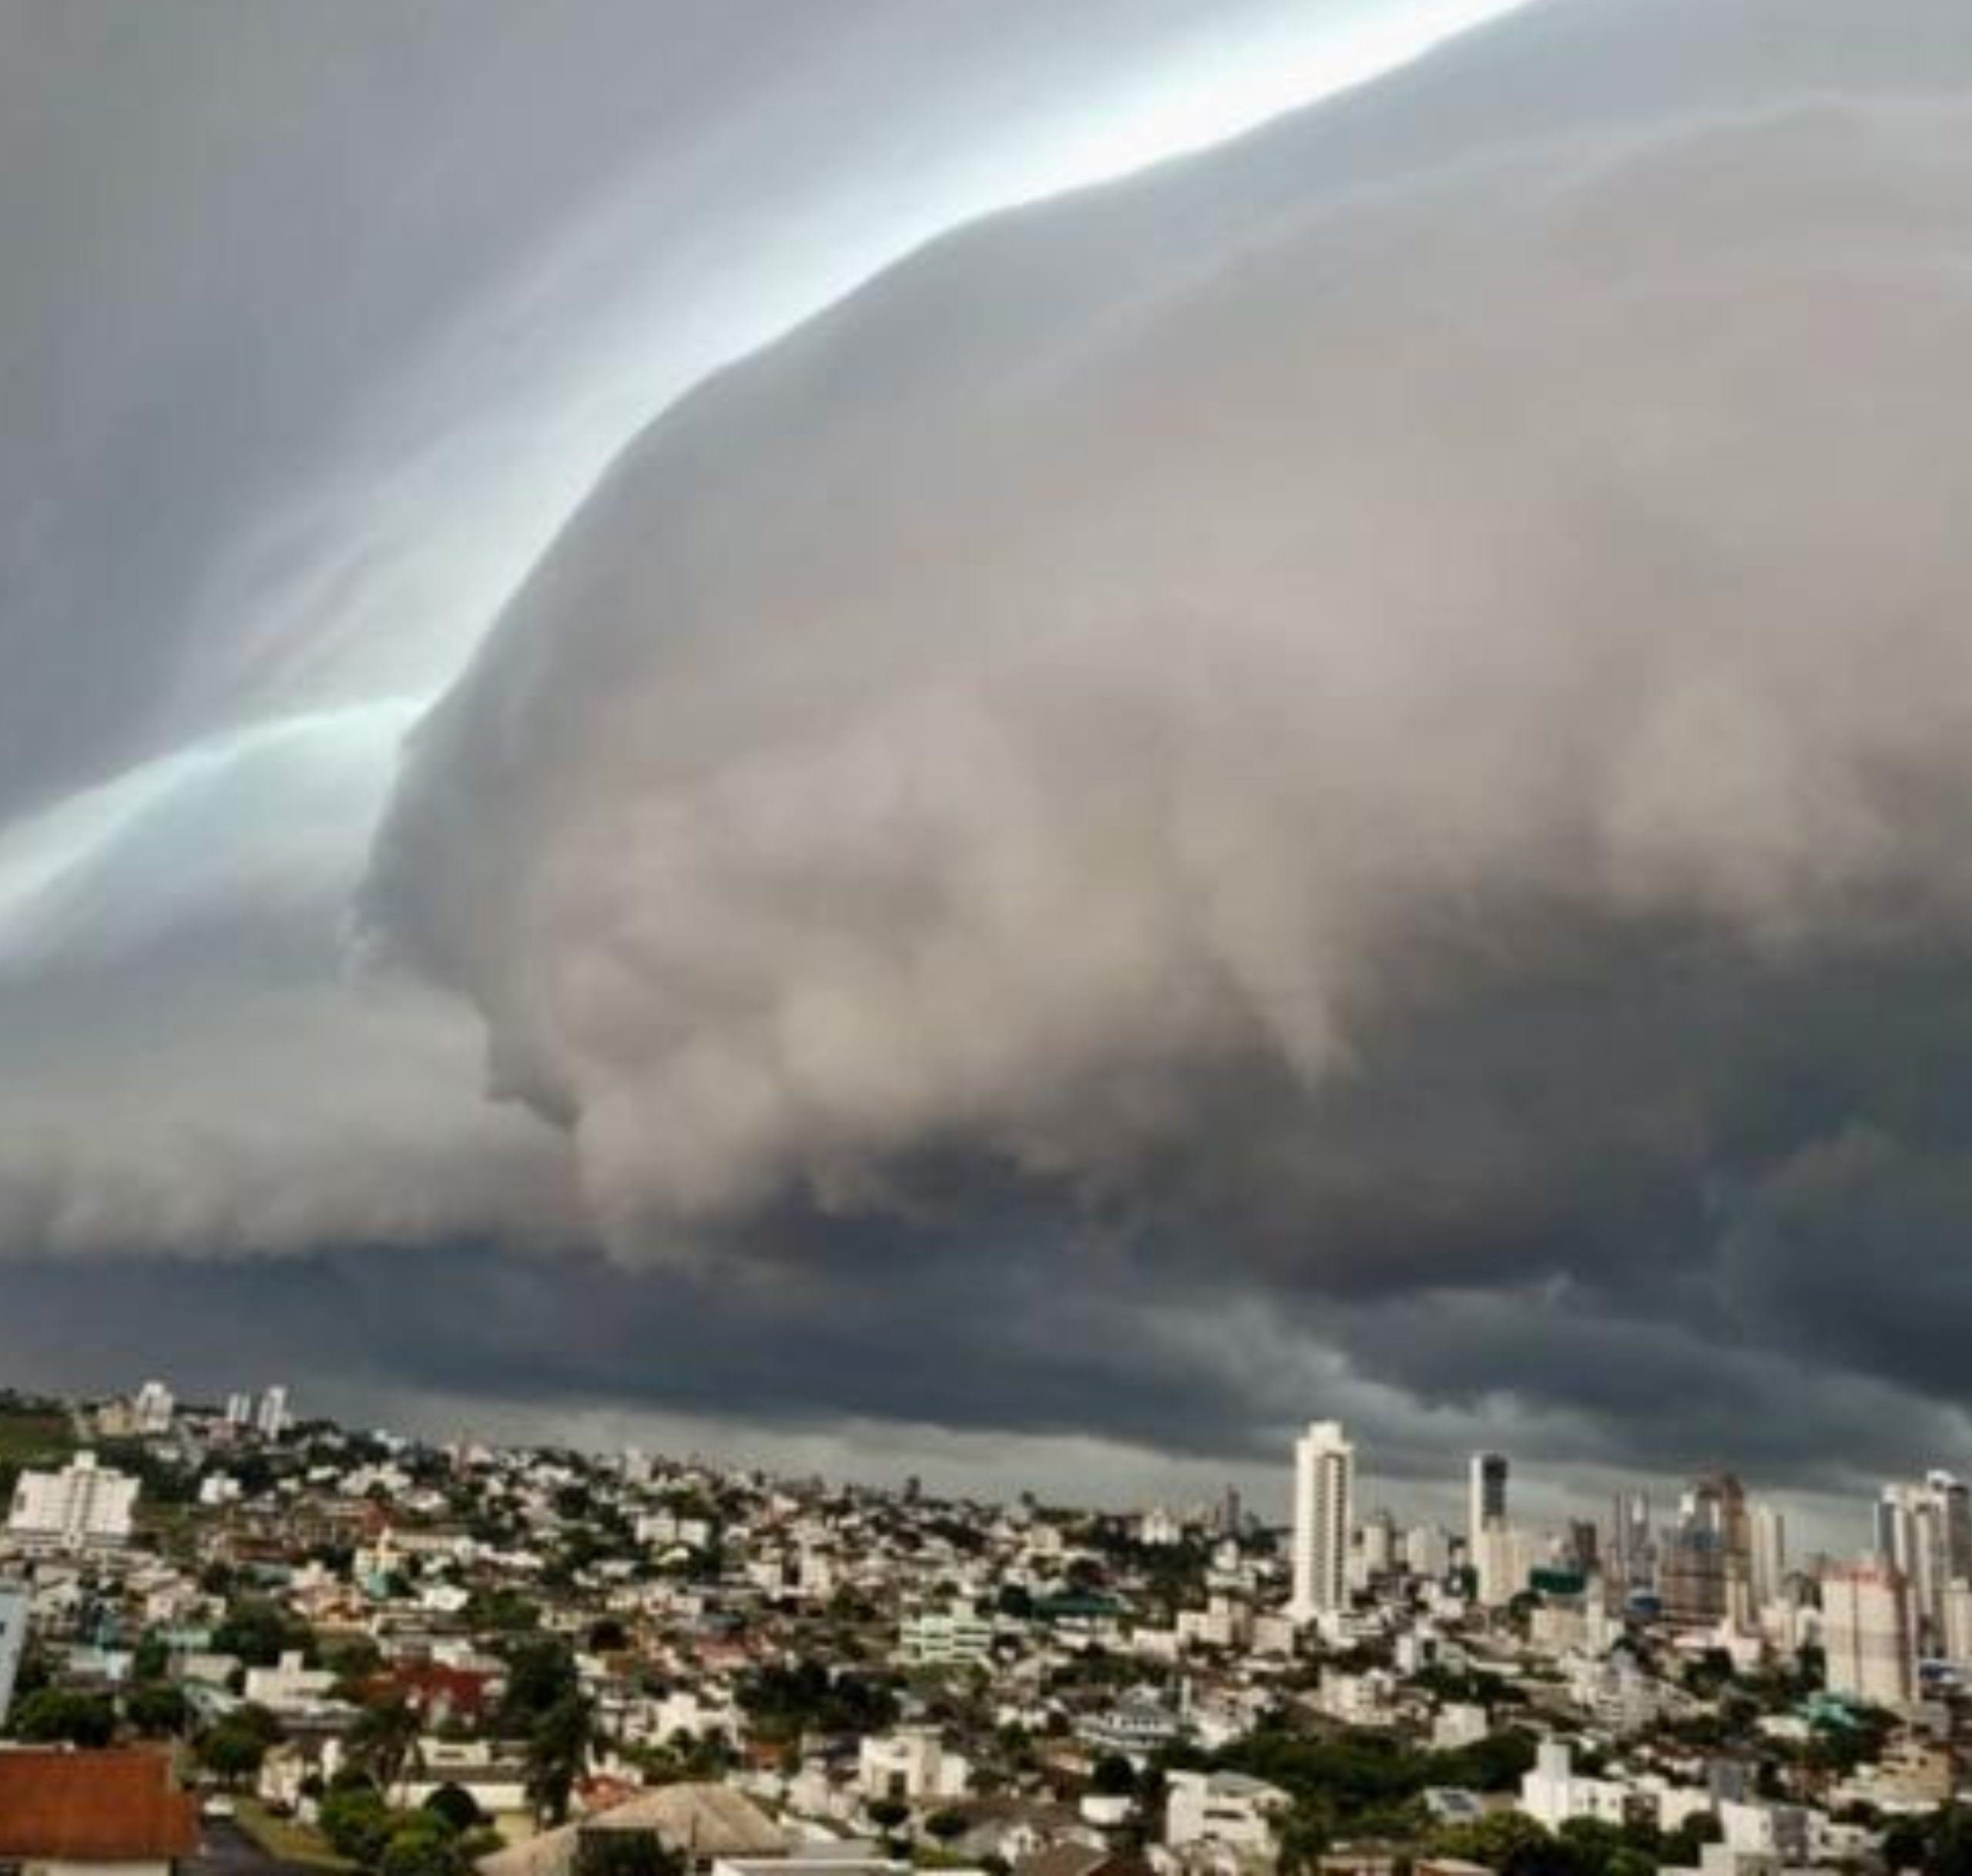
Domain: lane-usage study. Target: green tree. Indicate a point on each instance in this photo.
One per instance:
(384, 1739)
(457, 1806)
(1113, 1777)
(1507, 1841)
(505, 1610)
(1685, 1844)
(233, 1750)
(421, 1843)
(156, 1709)
(1939, 1844)
(356, 1822)
(557, 1755)
(353, 1662)
(1595, 1843)
(1949, 1853)
(946, 1826)
(541, 1673)
(259, 1632)
(1303, 1837)
(59, 1716)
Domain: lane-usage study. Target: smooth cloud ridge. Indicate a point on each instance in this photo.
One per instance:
(1327, 779)
(1372, 714)
(1131, 644)
(316, 322)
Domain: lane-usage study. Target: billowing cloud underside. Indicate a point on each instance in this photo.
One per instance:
(1380, 716)
(1330, 778)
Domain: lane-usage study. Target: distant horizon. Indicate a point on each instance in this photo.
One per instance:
(1263, 1491)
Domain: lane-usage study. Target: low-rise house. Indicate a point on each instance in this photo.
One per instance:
(93, 1813)
(911, 1763)
(1357, 1699)
(700, 1822)
(1913, 1774)
(1224, 1810)
(288, 1686)
(1460, 1722)
(494, 1776)
(1013, 1829)
(441, 1695)
(957, 1635)
(1779, 1831)
(1554, 1792)
(1136, 1726)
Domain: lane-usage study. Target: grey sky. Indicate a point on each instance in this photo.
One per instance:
(1322, 780)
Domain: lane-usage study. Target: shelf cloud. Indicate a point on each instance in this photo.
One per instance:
(1327, 776)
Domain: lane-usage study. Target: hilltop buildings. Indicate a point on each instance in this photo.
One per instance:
(862, 1665)
(83, 1506)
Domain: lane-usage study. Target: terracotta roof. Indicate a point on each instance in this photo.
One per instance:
(702, 1820)
(94, 1808)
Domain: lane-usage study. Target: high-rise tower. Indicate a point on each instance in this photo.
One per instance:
(1324, 1495)
(1488, 1489)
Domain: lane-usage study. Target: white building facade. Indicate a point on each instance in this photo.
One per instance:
(15, 1601)
(81, 1507)
(1324, 1502)
(1868, 1633)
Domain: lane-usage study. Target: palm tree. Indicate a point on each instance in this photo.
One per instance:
(384, 1742)
(558, 1754)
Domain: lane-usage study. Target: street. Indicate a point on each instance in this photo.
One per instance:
(226, 1850)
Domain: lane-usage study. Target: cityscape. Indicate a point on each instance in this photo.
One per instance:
(985, 937)
(355, 1645)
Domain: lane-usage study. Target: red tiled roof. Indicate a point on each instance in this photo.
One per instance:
(426, 1684)
(94, 1808)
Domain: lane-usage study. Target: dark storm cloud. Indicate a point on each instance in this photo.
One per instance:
(316, 322)
(1328, 782)
(569, 1328)
(1390, 765)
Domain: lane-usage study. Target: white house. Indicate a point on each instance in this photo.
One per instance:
(911, 1763)
(958, 1635)
(1225, 1809)
(289, 1687)
(1554, 1792)
(15, 1604)
(497, 1782)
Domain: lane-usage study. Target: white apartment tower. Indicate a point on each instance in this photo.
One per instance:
(14, 1602)
(1958, 1622)
(1866, 1631)
(273, 1418)
(1769, 1554)
(76, 1509)
(1324, 1495)
(153, 1408)
(1925, 1530)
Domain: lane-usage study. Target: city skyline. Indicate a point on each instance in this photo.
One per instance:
(1807, 1530)
(1013, 937)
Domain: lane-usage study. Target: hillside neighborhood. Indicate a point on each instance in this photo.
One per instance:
(362, 1650)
